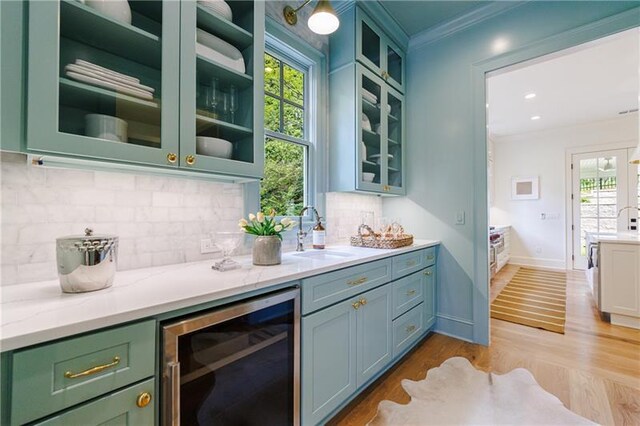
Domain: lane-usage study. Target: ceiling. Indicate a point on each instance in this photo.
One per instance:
(588, 83)
(420, 15)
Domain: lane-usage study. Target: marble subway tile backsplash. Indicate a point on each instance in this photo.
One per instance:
(159, 220)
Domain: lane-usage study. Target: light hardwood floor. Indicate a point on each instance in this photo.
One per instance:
(594, 368)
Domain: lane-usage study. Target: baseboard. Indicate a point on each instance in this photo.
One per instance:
(454, 327)
(553, 264)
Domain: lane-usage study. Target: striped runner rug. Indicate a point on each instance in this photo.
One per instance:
(535, 298)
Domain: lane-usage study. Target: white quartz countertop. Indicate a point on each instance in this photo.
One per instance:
(38, 312)
(619, 237)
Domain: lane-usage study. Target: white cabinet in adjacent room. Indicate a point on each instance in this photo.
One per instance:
(620, 282)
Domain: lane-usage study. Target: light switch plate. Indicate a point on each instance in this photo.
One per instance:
(460, 217)
(207, 246)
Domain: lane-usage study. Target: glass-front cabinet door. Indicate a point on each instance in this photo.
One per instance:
(221, 101)
(377, 52)
(104, 80)
(381, 135)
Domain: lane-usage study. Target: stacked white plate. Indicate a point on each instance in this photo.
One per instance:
(96, 75)
(369, 96)
(219, 7)
(218, 50)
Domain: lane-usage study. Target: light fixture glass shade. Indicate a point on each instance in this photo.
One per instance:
(323, 20)
(635, 157)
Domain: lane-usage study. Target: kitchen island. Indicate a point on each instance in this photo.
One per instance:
(614, 272)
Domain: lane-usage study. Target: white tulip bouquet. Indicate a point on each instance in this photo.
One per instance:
(262, 225)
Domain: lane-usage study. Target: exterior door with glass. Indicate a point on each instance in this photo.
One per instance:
(604, 184)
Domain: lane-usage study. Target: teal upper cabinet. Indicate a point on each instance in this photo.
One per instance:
(221, 102)
(375, 50)
(360, 39)
(367, 151)
(101, 85)
(127, 82)
(366, 85)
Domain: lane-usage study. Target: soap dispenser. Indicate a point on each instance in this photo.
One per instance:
(318, 235)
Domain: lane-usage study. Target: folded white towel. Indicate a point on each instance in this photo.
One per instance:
(366, 124)
(109, 85)
(91, 65)
(90, 72)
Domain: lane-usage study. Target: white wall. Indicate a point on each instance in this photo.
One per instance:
(534, 241)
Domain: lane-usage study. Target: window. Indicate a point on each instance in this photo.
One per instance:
(295, 93)
(284, 187)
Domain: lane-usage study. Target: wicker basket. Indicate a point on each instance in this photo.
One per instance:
(373, 240)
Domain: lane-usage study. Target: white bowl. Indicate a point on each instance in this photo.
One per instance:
(116, 9)
(213, 147)
(368, 177)
(105, 127)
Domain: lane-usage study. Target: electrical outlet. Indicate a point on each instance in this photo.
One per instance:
(538, 250)
(207, 246)
(460, 217)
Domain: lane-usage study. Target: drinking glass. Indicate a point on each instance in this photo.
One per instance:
(225, 107)
(227, 242)
(213, 96)
(233, 102)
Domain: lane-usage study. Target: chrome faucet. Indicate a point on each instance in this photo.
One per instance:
(301, 234)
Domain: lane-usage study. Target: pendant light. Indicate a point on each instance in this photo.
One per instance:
(322, 21)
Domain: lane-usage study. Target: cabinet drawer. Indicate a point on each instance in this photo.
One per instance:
(407, 329)
(118, 408)
(327, 289)
(408, 263)
(429, 256)
(55, 376)
(407, 293)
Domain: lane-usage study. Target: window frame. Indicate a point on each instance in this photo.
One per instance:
(290, 48)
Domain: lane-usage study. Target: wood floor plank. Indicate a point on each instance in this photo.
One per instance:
(588, 397)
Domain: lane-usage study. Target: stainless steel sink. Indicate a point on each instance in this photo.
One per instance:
(322, 254)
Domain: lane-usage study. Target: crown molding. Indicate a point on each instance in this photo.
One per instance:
(461, 22)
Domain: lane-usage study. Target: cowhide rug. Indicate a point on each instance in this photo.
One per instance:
(457, 394)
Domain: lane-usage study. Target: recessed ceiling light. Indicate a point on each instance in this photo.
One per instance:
(530, 96)
(535, 117)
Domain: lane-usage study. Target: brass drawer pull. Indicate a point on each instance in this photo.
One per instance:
(363, 301)
(427, 273)
(411, 328)
(356, 305)
(359, 281)
(412, 263)
(190, 160)
(172, 158)
(411, 292)
(93, 370)
(143, 399)
(430, 257)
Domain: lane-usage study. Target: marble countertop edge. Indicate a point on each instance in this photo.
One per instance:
(38, 312)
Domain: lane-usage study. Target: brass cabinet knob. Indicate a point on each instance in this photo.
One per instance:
(356, 305)
(427, 273)
(411, 292)
(172, 158)
(363, 301)
(411, 328)
(143, 399)
(190, 159)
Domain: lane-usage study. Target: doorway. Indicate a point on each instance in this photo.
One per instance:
(604, 198)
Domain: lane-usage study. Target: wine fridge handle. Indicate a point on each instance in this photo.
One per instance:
(173, 378)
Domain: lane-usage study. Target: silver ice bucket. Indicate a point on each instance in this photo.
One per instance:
(86, 262)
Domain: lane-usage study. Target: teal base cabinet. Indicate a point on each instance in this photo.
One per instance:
(58, 378)
(350, 343)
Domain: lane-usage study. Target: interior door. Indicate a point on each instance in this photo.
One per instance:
(600, 190)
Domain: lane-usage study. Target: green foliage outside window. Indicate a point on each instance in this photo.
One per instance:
(282, 188)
